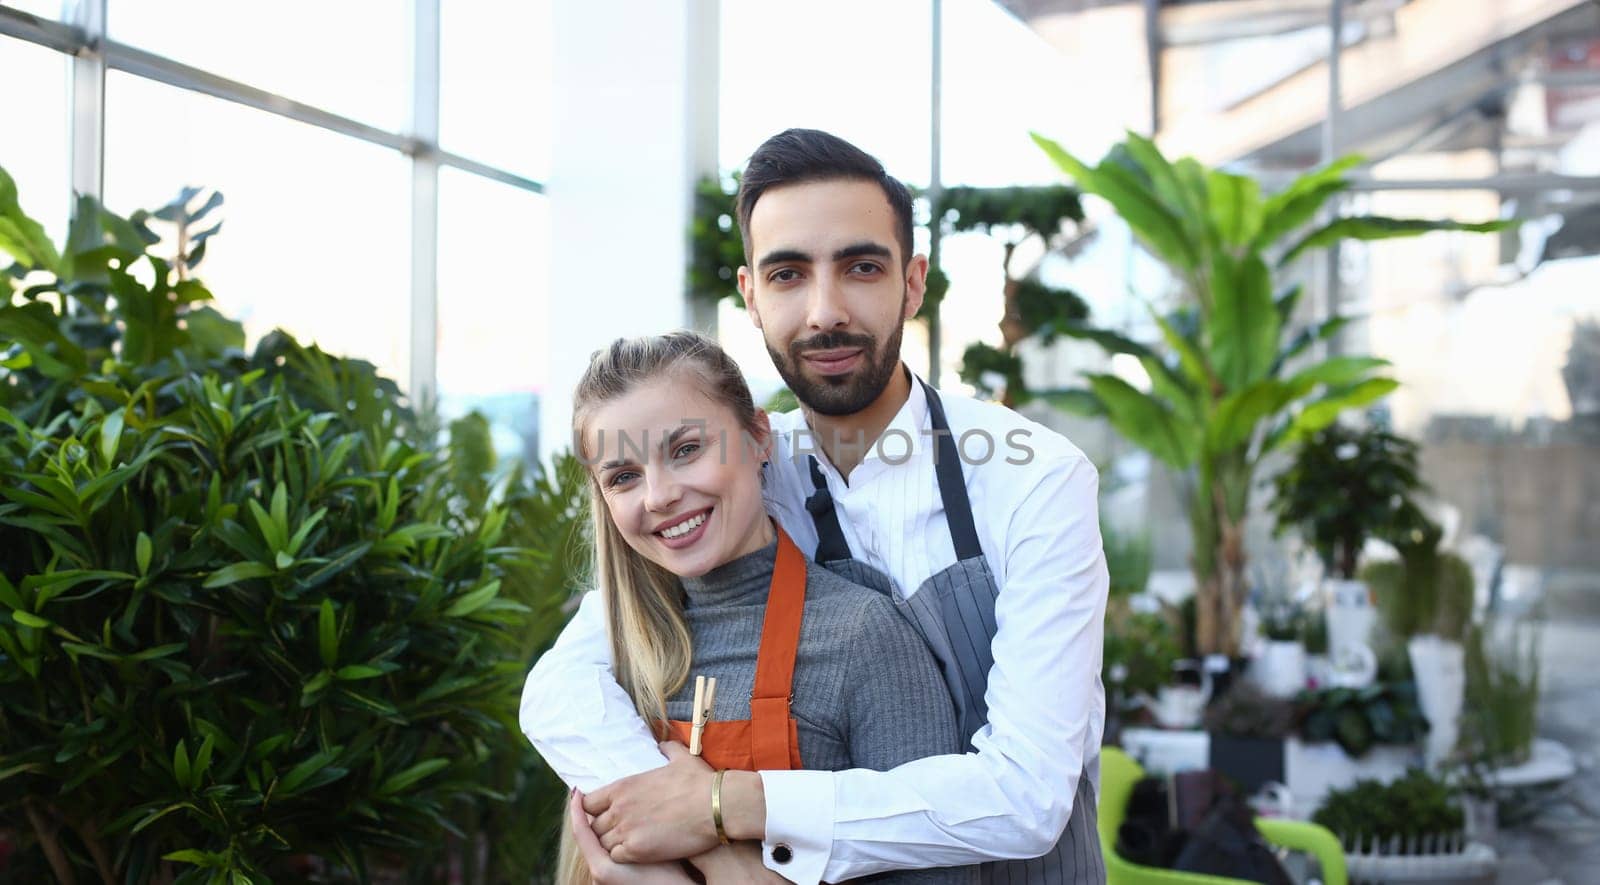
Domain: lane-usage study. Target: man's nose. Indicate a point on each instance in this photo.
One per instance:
(826, 309)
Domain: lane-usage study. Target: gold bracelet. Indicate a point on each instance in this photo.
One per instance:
(716, 806)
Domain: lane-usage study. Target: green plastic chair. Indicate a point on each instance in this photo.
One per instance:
(1118, 774)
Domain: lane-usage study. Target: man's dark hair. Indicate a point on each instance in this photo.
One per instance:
(795, 156)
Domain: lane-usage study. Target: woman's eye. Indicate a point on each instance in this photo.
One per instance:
(685, 450)
(620, 477)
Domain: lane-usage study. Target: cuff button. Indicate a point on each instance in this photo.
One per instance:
(781, 853)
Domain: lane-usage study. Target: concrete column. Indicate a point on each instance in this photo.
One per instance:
(634, 125)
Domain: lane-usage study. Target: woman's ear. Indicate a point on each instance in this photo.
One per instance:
(762, 438)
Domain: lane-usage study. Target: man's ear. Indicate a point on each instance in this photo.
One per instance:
(916, 284)
(747, 291)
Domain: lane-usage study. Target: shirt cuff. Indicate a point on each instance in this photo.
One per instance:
(799, 824)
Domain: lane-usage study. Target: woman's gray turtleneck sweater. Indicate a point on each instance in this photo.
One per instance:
(867, 692)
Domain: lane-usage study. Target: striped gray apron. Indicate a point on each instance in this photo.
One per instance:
(954, 612)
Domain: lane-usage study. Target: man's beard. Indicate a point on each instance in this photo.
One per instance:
(837, 395)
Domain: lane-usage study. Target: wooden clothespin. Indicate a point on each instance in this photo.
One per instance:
(705, 700)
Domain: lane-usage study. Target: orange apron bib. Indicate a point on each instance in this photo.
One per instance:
(769, 739)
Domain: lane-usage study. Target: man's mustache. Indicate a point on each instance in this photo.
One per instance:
(832, 341)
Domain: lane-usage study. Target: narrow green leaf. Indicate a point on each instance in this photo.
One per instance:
(403, 779)
(327, 634)
(1235, 206)
(280, 514)
(1295, 206)
(180, 765)
(239, 571)
(474, 600)
(142, 552)
(194, 856)
(202, 758)
(27, 619)
(1144, 213)
(1244, 323)
(305, 530)
(283, 560)
(356, 672)
(111, 435)
(1368, 227)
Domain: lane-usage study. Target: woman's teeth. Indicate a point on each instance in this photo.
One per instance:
(684, 528)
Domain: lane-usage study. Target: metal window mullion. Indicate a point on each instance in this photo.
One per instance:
(87, 108)
(425, 203)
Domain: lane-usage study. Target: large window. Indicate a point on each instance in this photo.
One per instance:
(37, 104)
(380, 191)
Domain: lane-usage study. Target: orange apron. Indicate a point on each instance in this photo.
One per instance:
(769, 739)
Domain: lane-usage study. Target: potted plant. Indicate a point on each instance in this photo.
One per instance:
(1408, 830)
(1347, 734)
(1344, 485)
(1425, 599)
(1228, 381)
(1502, 694)
(1247, 729)
(1280, 663)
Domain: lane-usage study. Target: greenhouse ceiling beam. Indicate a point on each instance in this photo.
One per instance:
(121, 57)
(1509, 182)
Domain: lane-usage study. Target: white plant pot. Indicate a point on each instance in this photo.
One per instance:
(1312, 769)
(1440, 668)
(1280, 668)
(1351, 616)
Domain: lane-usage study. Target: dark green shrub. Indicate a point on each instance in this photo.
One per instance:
(1415, 806)
(1246, 712)
(254, 623)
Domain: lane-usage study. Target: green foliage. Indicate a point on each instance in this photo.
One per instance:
(1284, 621)
(1140, 649)
(1032, 310)
(716, 249)
(248, 611)
(1415, 806)
(782, 400)
(1345, 485)
(1358, 718)
(1502, 696)
(1013, 213)
(1246, 712)
(1128, 559)
(1222, 394)
(1426, 591)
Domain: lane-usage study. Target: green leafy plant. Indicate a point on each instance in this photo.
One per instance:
(716, 249)
(1140, 649)
(1425, 591)
(1224, 392)
(1314, 631)
(1359, 718)
(1128, 559)
(249, 615)
(1013, 215)
(1283, 621)
(1405, 811)
(1500, 715)
(1345, 485)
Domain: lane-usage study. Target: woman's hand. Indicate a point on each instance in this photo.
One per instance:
(607, 871)
(736, 863)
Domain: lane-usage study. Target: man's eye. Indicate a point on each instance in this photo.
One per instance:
(864, 267)
(786, 275)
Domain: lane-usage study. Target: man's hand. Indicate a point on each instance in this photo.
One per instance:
(606, 871)
(659, 815)
(739, 863)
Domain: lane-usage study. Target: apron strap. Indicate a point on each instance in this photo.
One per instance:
(952, 485)
(831, 545)
(780, 642)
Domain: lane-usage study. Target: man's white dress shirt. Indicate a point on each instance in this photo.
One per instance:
(1034, 499)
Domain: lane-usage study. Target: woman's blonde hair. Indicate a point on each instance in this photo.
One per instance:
(650, 650)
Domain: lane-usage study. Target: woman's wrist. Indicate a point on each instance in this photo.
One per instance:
(744, 806)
